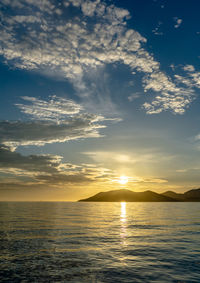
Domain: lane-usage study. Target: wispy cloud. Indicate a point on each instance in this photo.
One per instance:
(56, 120)
(55, 109)
(112, 157)
(134, 96)
(73, 46)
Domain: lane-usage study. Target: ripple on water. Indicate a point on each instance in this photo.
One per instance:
(94, 242)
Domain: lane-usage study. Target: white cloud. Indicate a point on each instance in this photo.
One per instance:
(177, 103)
(133, 96)
(57, 120)
(193, 77)
(69, 45)
(184, 80)
(189, 68)
(178, 22)
(76, 46)
(172, 97)
(159, 82)
(88, 8)
(56, 108)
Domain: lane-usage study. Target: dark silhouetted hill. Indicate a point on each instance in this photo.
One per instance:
(147, 196)
(128, 196)
(173, 195)
(192, 195)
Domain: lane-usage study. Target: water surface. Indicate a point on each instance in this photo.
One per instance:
(99, 242)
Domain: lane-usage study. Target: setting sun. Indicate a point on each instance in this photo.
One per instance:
(123, 180)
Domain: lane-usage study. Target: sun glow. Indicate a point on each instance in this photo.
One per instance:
(123, 180)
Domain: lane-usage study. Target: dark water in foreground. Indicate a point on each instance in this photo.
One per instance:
(99, 242)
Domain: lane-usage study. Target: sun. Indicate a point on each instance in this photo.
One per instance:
(123, 180)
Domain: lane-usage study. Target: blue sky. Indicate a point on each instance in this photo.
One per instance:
(95, 90)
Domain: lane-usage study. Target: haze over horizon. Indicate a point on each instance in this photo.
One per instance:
(98, 95)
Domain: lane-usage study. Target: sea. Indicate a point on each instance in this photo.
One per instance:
(99, 242)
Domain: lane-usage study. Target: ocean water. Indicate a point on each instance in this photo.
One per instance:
(99, 242)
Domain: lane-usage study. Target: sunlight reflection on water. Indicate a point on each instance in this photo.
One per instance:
(99, 242)
(123, 211)
(123, 232)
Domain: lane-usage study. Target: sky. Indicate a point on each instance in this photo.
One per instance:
(95, 90)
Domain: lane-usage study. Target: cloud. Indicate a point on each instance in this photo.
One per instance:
(55, 109)
(69, 45)
(184, 81)
(174, 95)
(57, 120)
(189, 68)
(195, 78)
(178, 22)
(33, 163)
(43, 171)
(48, 169)
(39, 133)
(134, 96)
(39, 36)
(111, 157)
(177, 103)
(181, 170)
(185, 170)
(157, 30)
(197, 137)
(155, 180)
(132, 180)
(192, 78)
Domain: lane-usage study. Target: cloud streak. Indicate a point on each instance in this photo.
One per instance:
(48, 169)
(57, 120)
(55, 109)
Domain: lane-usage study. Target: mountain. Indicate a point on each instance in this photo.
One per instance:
(173, 195)
(129, 196)
(146, 196)
(192, 195)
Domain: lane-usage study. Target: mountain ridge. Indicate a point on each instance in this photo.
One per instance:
(146, 196)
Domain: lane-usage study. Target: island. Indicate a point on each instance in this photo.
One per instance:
(124, 195)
